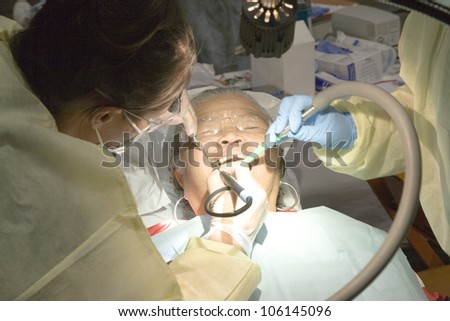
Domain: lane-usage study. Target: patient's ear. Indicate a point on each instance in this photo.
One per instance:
(179, 176)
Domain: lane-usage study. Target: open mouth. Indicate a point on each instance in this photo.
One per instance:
(228, 160)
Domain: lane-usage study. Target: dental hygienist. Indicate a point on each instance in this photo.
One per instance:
(367, 138)
(83, 76)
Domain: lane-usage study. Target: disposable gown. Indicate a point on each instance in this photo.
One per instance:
(424, 51)
(69, 228)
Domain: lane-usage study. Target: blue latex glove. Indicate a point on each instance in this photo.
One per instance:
(329, 128)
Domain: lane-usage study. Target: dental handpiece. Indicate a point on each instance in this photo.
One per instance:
(307, 114)
(232, 183)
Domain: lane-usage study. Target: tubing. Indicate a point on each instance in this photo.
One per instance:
(410, 194)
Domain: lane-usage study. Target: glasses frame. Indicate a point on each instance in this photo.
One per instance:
(232, 118)
(152, 123)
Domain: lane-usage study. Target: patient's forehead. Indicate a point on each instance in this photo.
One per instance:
(227, 104)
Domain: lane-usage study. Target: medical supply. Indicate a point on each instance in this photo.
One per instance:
(349, 64)
(368, 23)
(327, 46)
(325, 80)
(388, 53)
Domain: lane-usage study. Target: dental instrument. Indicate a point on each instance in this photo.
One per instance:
(231, 185)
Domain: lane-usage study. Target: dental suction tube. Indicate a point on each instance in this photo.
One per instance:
(410, 194)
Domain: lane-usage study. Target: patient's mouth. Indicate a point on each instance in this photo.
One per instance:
(224, 160)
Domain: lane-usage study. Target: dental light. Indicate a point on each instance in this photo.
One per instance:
(267, 26)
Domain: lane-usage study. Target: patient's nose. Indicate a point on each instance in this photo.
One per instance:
(229, 134)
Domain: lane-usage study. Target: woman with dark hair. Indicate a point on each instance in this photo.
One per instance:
(83, 74)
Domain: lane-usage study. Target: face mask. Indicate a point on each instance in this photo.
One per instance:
(112, 150)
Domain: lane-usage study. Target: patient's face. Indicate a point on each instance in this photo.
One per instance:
(229, 126)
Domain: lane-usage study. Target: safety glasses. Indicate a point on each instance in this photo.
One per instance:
(153, 123)
(212, 123)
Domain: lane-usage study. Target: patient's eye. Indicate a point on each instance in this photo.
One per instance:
(250, 122)
(208, 125)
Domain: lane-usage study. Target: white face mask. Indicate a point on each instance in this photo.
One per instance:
(113, 150)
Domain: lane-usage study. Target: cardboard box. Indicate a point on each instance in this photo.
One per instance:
(293, 72)
(325, 80)
(366, 66)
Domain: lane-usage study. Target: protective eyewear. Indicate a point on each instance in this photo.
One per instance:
(212, 123)
(152, 123)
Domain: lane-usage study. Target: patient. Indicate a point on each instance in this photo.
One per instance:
(231, 125)
(307, 255)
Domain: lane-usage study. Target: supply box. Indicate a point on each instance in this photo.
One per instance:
(368, 23)
(360, 65)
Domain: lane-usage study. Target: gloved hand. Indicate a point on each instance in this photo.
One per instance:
(340, 126)
(244, 227)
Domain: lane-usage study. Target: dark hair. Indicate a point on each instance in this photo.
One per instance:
(135, 53)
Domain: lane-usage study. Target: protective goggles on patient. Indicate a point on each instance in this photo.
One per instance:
(212, 123)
